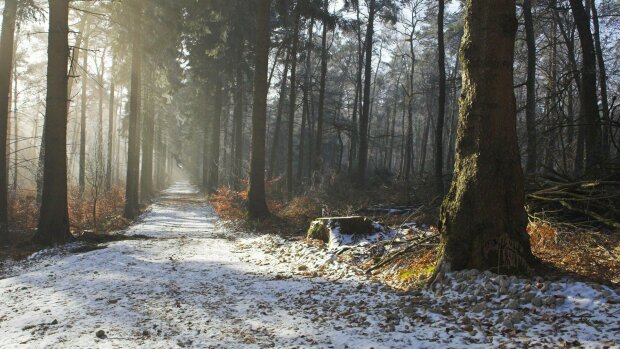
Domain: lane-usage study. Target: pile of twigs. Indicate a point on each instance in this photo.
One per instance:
(587, 203)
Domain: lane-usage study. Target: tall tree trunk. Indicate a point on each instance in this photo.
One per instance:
(132, 199)
(588, 111)
(483, 219)
(321, 115)
(363, 127)
(275, 147)
(569, 41)
(292, 107)
(7, 40)
(148, 130)
(441, 100)
(257, 204)
(100, 122)
(530, 108)
(602, 73)
(302, 137)
(15, 127)
(53, 227)
(157, 155)
(206, 141)
(408, 153)
(108, 173)
(353, 157)
(215, 128)
(453, 120)
(424, 146)
(238, 129)
(306, 99)
(82, 169)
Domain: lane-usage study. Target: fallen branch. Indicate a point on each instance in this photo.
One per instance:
(407, 249)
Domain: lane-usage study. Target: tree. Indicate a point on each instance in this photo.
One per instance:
(483, 218)
(257, 204)
(214, 136)
(7, 38)
(441, 100)
(588, 101)
(132, 200)
(53, 225)
(530, 108)
(292, 104)
(108, 174)
(362, 161)
(319, 124)
(602, 72)
(148, 132)
(83, 110)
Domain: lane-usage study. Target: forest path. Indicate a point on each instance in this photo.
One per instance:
(185, 287)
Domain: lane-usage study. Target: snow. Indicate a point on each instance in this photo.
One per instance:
(338, 239)
(197, 284)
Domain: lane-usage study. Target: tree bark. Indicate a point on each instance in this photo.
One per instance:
(274, 156)
(215, 128)
(292, 107)
(53, 227)
(82, 168)
(257, 204)
(530, 108)
(132, 199)
(108, 174)
(363, 133)
(148, 130)
(483, 218)
(321, 115)
(441, 100)
(238, 129)
(602, 73)
(7, 40)
(588, 111)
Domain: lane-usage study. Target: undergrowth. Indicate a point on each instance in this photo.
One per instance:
(581, 253)
(24, 214)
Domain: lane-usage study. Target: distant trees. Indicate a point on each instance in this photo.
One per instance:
(53, 225)
(337, 94)
(483, 218)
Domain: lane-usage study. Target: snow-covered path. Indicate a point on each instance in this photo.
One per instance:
(193, 285)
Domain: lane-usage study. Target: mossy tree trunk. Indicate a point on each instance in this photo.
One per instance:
(483, 220)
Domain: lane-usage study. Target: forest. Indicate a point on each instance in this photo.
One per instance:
(310, 173)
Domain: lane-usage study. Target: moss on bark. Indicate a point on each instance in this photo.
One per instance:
(483, 219)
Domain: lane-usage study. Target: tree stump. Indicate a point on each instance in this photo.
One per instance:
(329, 228)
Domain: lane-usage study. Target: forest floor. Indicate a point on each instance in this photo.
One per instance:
(196, 282)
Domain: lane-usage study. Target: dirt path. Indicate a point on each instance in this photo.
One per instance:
(192, 285)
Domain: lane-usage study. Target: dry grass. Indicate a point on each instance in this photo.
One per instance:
(24, 214)
(587, 254)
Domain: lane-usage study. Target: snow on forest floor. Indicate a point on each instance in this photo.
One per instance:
(198, 284)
